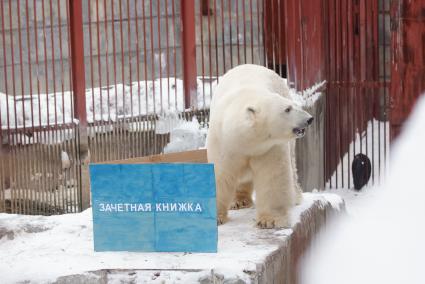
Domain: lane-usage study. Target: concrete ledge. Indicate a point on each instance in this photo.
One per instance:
(63, 251)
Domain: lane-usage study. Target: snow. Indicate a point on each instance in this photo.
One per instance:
(35, 110)
(40, 248)
(66, 163)
(108, 103)
(355, 201)
(382, 240)
(119, 101)
(187, 135)
(184, 135)
(309, 96)
(159, 277)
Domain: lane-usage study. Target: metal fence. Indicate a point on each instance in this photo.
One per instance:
(358, 102)
(347, 44)
(39, 165)
(87, 80)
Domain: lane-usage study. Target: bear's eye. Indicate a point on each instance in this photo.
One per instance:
(250, 109)
(288, 109)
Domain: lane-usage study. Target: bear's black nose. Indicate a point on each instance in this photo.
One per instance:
(310, 120)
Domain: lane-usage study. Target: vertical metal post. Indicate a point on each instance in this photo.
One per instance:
(189, 52)
(78, 87)
(205, 7)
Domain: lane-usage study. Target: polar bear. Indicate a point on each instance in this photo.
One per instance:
(251, 142)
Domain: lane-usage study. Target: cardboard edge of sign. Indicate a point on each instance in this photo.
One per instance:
(195, 156)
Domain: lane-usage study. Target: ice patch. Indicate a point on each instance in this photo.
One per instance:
(185, 135)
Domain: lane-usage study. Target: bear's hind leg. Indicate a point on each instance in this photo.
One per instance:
(274, 187)
(243, 197)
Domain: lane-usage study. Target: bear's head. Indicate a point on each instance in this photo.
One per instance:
(276, 117)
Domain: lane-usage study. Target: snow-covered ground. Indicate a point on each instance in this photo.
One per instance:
(355, 201)
(382, 240)
(40, 248)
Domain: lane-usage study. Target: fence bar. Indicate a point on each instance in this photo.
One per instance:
(223, 45)
(158, 11)
(209, 50)
(167, 44)
(202, 54)
(216, 40)
(230, 33)
(173, 12)
(189, 52)
(78, 87)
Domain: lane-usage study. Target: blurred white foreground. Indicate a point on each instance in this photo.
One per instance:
(384, 242)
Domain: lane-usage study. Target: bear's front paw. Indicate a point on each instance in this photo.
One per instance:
(241, 203)
(270, 222)
(221, 219)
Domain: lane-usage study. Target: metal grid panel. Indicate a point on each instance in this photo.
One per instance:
(346, 44)
(128, 63)
(132, 61)
(357, 93)
(39, 143)
(228, 33)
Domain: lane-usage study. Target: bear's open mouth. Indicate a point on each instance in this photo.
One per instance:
(299, 132)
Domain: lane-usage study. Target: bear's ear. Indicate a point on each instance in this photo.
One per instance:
(250, 109)
(251, 112)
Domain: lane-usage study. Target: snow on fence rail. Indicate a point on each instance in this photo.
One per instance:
(109, 103)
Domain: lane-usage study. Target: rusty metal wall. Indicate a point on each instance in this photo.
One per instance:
(408, 61)
(358, 77)
(275, 46)
(346, 44)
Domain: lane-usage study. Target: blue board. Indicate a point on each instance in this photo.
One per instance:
(154, 207)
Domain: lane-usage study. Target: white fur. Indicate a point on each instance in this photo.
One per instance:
(252, 144)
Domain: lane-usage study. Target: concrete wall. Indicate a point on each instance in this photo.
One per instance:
(311, 149)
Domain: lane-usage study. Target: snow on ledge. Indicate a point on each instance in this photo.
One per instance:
(41, 249)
